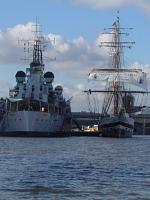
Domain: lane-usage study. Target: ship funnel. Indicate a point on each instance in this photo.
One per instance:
(49, 77)
(59, 89)
(20, 77)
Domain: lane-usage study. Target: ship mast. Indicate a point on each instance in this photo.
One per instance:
(37, 60)
(37, 53)
(116, 64)
(115, 88)
(116, 45)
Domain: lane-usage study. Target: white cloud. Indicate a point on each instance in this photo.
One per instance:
(74, 59)
(78, 98)
(100, 4)
(76, 56)
(9, 48)
(77, 50)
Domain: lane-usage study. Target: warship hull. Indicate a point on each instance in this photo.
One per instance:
(34, 124)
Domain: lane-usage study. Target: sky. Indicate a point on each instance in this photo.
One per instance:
(76, 26)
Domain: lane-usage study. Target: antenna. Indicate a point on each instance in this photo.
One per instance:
(36, 46)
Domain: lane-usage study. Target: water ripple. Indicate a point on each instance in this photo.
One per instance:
(75, 168)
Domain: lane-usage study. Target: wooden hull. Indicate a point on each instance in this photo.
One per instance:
(117, 127)
(117, 132)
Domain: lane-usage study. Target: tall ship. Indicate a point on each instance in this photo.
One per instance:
(121, 84)
(34, 106)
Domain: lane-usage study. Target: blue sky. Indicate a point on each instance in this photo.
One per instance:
(71, 20)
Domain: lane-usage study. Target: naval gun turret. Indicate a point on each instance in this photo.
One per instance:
(59, 90)
(49, 77)
(20, 77)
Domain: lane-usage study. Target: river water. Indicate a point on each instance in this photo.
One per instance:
(75, 168)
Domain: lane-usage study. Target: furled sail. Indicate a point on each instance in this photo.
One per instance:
(131, 78)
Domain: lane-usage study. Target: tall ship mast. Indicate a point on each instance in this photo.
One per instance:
(34, 106)
(116, 121)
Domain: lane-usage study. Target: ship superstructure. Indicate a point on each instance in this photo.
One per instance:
(34, 106)
(115, 121)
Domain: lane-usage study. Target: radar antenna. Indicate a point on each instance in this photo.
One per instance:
(35, 47)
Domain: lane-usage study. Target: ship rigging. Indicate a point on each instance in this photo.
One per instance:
(118, 123)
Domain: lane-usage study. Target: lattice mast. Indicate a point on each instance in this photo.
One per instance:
(36, 48)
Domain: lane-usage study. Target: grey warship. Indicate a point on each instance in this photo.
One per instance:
(34, 106)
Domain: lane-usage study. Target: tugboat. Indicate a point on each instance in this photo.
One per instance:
(115, 121)
(34, 106)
